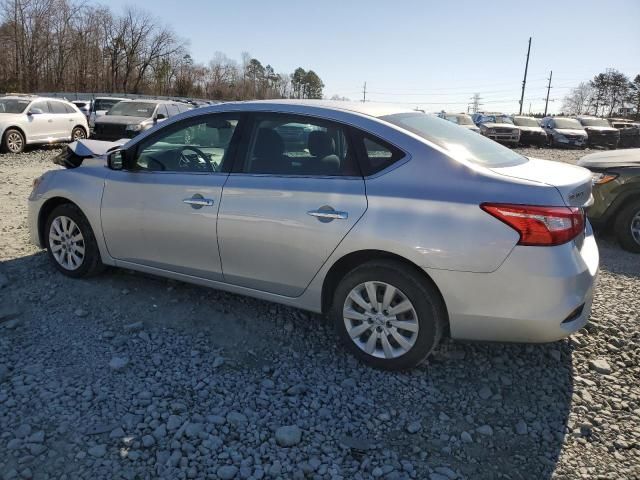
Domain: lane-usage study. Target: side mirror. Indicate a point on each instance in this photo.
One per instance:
(35, 111)
(160, 116)
(115, 160)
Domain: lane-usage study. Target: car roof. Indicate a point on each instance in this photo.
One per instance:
(32, 98)
(370, 109)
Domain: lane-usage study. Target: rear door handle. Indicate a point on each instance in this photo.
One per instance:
(327, 213)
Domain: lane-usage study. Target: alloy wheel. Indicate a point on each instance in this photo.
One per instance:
(14, 142)
(380, 319)
(78, 134)
(635, 227)
(66, 243)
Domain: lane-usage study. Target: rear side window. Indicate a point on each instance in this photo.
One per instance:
(69, 108)
(57, 107)
(378, 155)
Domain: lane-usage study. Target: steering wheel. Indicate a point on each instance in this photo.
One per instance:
(185, 161)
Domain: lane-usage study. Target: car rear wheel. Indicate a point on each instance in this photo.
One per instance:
(13, 141)
(78, 133)
(387, 315)
(71, 244)
(627, 227)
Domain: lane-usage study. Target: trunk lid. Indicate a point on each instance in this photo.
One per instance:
(573, 183)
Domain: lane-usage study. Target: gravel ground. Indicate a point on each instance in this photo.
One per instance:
(131, 376)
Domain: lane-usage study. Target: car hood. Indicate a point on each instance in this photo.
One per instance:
(529, 129)
(601, 129)
(469, 127)
(570, 131)
(77, 152)
(614, 158)
(120, 120)
(573, 183)
(10, 117)
(498, 125)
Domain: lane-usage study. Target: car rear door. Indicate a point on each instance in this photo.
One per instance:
(295, 192)
(62, 120)
(161, 211)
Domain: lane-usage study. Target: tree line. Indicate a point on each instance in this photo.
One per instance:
(68, 45)
(604, 95)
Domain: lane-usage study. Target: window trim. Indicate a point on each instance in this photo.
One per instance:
(131, 153)
(243, 150)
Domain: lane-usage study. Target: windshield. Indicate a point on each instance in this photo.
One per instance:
(496, 119)
(594, 122)
(133, 109)
(13, 105)
(525, 122)
(105, 103)
(460, 119)
(567, 123)
(461, 143)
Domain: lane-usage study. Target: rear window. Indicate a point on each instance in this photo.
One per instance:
(460, 143)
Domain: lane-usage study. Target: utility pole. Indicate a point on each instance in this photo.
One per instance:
(475, 102)
(546, 103)
(364, 92)
(524, 82)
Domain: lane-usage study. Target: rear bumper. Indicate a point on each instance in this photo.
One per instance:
(539, 294)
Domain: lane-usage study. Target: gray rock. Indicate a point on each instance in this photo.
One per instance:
(236, 418)
(466, 437)
(600, 365)
(288, 436)
(414, 427)
(97, 451)
(23, 431)
(485, 393)
(193, 429)
(13, 444)
(216, 419)
(148, 441)
(227, 472)
(160, 432)
(218, 362)
(447, 472)
(118, 363)
(37, 437)
(485, 430)
(174, 422)
(521, 428)
(116, 433)
(80, 312)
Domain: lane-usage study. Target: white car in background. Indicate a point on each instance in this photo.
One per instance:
(26, 120)
(100, 106)
(84, 106)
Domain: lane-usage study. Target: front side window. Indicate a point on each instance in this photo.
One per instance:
(173, 110)
(459, 142)
(297, 145)
(197, 146)
(42, 105)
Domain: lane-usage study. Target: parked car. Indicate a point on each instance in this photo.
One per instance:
(616, 193)
(128, 118)
(499, 127)
(600, 133)
(629, 132)
(100, 106)
(26, 120)
(531, 133)
(461, 119)
(84, 106)
(399, 225)
(564, 132)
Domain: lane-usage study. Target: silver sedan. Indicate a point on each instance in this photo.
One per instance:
(402, 227)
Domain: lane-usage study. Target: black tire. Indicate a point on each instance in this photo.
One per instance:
(622, 227)
(78, 133)
(13, 141)
(423, 295)
(91, 262)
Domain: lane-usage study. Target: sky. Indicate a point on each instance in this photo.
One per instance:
(431, 54)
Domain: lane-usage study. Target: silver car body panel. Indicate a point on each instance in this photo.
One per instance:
(424, 209)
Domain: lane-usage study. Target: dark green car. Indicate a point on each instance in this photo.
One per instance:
(616, 193)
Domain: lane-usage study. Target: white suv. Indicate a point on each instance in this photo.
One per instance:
(30, 119)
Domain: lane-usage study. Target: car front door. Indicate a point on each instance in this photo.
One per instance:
(161, 210)
(296, 191)
(41, 127)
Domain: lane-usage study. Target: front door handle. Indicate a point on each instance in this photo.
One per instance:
(198, 201)
(327, 214)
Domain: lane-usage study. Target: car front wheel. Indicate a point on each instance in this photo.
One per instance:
(13, 141)
(627, 227)
(387, 315)
(71, 244)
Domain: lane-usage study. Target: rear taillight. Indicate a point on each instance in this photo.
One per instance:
(539, 226)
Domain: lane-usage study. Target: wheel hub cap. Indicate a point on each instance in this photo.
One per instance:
(66, 243)
(380, 319)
